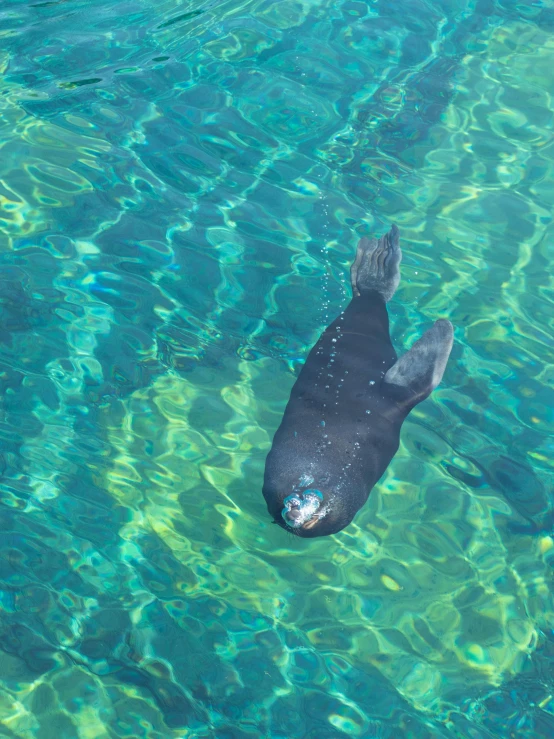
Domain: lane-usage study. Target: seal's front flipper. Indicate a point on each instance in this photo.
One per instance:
(418, 372)
(377, 265)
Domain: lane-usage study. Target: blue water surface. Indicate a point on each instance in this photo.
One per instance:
(182, 186)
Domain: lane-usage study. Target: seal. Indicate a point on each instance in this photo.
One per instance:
(341, 426)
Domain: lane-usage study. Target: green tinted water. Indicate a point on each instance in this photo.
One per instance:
(182, 187)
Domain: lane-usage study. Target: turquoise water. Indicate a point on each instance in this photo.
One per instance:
(182, 185)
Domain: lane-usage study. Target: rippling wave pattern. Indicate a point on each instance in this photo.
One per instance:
(182, 185)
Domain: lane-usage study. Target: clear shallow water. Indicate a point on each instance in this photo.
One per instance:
(182, 186)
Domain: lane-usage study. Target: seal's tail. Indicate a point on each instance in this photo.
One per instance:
(377, 265)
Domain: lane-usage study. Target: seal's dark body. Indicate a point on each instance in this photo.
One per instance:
(342, 423)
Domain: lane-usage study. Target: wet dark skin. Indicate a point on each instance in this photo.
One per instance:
(341, 426)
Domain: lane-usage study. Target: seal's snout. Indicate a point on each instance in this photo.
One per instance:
(293, 514)
(301, 509)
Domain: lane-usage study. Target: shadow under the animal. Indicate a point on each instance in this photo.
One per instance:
(341, 426)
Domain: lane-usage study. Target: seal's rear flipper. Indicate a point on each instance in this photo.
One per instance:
(420, 370)
(377, 265)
